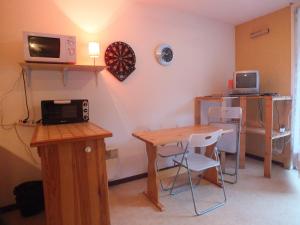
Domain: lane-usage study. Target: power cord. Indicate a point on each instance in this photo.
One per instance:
(2, 98)
(9, 126)
(278, 115)
(26, 99)
(26, 147)
(260, 110)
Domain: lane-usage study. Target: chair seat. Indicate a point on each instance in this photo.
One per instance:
(198, 162)
(169, 150)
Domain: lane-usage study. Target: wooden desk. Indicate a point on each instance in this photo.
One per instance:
(74, 173)
(167, 136)
(268, 131)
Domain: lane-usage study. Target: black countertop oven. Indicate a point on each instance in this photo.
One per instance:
(65, 111)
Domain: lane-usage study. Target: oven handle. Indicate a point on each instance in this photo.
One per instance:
(62, 102)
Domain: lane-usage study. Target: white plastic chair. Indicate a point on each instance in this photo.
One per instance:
(228, 118)
(195, 162)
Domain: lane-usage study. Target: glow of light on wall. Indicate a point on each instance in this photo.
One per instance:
(94, 49)
(91, 15)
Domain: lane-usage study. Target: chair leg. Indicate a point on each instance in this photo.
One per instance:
(223, 186)
(199, 213)
(235, 174)
(202, 212)
(160, 181)
(175, 179)
(237, 164)
(191, 187)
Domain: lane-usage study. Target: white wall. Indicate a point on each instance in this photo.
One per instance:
(151, 96)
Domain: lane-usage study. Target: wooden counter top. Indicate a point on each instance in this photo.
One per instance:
(173, 135)
(52, 134)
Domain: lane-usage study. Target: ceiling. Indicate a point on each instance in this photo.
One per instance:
(228, 11)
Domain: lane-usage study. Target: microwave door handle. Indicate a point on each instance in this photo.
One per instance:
(61, 102)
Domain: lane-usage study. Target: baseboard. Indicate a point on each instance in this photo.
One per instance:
(262, 159)
(133, 178)
(127, 179)
(8, 208)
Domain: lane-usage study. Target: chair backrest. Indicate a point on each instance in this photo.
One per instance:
(204, 140)
(227, 118)
(223, 114)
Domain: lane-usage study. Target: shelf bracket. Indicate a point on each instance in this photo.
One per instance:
(65, 76)
(96, 77)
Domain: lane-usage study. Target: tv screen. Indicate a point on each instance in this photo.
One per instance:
(246, 80)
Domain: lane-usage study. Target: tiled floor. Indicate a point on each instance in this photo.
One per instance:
(255, 200)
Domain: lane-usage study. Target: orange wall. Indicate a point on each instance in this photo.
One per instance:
(270, 54)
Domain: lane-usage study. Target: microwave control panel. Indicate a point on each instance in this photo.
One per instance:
(85, 110)
(71, 46)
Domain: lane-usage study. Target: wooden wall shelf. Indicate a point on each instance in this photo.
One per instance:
(63, 68)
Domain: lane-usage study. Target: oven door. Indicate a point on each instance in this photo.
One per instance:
(64, 111)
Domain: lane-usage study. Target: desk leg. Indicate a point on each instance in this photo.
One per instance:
(197, 116)
(152, 192)
(268, 137)
(211, 174)
(197, 111)
(243, 105)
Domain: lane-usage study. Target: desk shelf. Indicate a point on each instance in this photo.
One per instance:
(262, 131)
(269, 133)
(63, 68)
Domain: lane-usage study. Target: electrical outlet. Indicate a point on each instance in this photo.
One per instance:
(28, 123)
(112, 153)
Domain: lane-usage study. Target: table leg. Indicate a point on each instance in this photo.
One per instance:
(152, 192)
(211, 174)
(197, 111)
(268, 137)
(223, 160)
(243, 105)
(197, 116)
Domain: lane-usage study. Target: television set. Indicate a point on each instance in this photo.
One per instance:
(246, 82)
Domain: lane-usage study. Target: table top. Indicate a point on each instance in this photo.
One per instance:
(221, 98)
(171, 135)
(52, 134)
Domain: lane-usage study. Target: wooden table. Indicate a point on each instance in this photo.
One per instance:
(167, 136)
(74, 173)
(268, 130)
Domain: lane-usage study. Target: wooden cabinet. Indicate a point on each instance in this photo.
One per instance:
(74, 173)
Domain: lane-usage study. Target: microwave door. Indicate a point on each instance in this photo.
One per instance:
(44, 47)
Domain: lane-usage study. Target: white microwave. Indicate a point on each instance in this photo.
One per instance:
(51, 48)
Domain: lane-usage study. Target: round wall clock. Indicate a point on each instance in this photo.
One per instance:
(164, 54)
(120, 59)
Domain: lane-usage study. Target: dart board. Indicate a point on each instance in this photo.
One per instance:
(120, 59)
